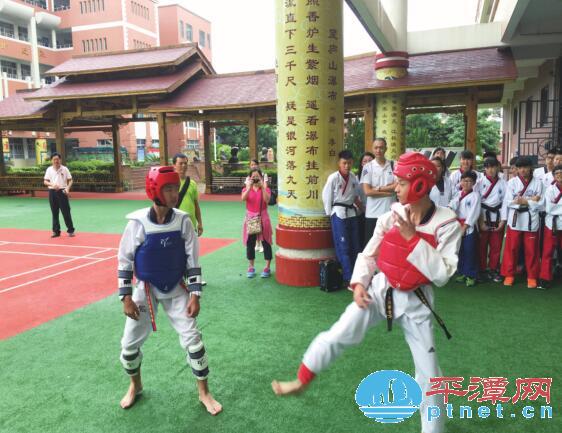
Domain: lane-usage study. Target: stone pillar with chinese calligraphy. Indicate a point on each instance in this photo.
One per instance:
(310, 132)
(390, 121)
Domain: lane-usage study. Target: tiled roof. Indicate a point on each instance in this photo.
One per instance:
(446, 69)
(16, 106)
(65, 89)
(224, 90)
(111, 62)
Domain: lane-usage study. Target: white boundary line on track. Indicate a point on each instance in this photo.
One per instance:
(56, 264)
(48, 255)
(55, 245)
(54, 275)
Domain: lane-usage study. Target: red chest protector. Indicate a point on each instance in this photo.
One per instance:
(392, 261)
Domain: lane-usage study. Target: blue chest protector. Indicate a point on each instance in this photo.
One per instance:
(161, 258)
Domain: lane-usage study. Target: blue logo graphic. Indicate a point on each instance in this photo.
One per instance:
(388, 396)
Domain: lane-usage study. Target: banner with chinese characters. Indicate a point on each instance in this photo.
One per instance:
(309, 106)
(40, 150)
(6, 147)
(391, 122)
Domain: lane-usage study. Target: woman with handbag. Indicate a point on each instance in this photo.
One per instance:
(257, 225)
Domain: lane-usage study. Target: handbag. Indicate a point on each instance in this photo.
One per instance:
(253, 224)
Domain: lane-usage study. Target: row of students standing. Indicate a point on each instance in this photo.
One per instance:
(486, 204)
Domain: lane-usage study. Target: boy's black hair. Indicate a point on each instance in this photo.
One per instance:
(470, 174)
(491, 162)
(513, 161)
(345, 154)
(524, 161)
(490, 154)
(179, 155)
(557, 168)
(467, 154)
(255, 161)
(381, 139)
(55, 154)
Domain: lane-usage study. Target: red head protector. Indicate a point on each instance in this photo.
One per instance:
(419, 171)
(156, 178)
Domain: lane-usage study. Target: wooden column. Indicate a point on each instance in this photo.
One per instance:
(253, 136)
(163, 138)
(208, 156)
(369, 123)
(117, 157)
(2, 165)
(59, 132)
(471, 119)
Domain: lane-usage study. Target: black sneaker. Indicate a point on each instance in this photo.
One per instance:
(71, 235)
(55, 235)
(543, 284)
(496, 277)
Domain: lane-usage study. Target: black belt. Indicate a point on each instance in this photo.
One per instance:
(517, 212)
(489, 210)
(389, 308)
(555, 224)
(346, 206)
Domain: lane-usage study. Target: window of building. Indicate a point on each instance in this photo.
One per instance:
(209, 40)
(105, 142)
(528, 115)
(23, 34)
(6, 29)
(544, 105)
(81, 7)
(141, 142)
(16, 148)
(202, 38)
(182, 34)
(514, 121)
(30, 149)
(192, 144)
(10, 68)
(25, 71)
(192, 124)
(155, 143)
(189, 32)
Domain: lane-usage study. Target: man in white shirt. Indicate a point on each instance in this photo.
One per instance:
(378, 184)
(59, 181)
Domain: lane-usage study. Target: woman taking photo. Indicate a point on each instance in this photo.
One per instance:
(257, 225)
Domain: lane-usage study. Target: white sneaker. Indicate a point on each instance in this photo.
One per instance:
(260, 249)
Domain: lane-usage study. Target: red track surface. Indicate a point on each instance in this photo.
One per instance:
(134, 195)
(42, 278)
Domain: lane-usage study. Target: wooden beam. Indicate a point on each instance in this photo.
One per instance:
(2, 164)
(471, 119)
(163, 138)
(369, 122)
(253, 136)
(117, 158)
(207, 157)
(59, 132)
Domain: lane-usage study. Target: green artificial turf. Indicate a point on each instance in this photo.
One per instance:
(65, 376)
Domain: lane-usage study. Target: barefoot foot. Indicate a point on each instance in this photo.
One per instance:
(287, 388)
(212, 406)
(131, 397)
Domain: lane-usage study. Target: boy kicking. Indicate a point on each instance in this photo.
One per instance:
(414, 245)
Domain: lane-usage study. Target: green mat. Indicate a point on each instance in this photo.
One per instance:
(65, 376)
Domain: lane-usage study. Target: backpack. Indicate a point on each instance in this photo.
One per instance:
(331, 278)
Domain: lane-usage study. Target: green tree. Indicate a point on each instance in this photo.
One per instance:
(425, 130)
(355, 138)
(488, 131)
(238, 136)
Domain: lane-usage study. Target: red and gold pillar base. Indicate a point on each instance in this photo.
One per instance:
(300, 252)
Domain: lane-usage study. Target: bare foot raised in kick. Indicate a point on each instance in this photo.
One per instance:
(133, 393)
(288, 388)
(206, 399)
